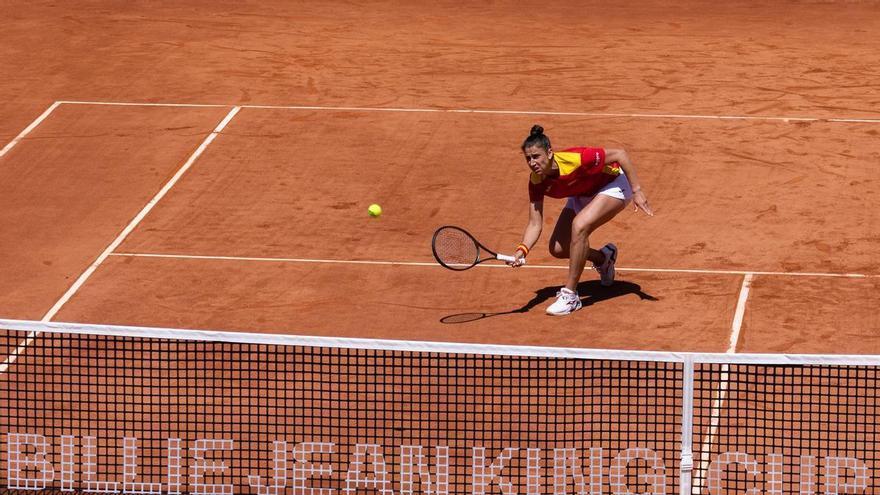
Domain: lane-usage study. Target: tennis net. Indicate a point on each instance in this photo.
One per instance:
(108, 409)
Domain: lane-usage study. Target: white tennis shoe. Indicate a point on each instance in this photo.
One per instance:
(567, 301)
(606, 270)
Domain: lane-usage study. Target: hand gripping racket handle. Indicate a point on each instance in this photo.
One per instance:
(509, 259)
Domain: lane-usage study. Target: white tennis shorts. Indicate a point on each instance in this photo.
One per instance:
(618, 188)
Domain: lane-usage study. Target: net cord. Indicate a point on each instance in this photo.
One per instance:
(440, 347)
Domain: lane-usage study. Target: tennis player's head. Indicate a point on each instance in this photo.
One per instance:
(537, 151)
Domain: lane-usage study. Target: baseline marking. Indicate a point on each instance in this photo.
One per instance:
(27, 130)
(481, 266)
(496, 112)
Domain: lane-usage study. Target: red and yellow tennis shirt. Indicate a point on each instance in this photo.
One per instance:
(582, 172)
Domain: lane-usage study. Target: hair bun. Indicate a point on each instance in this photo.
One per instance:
(536, 130)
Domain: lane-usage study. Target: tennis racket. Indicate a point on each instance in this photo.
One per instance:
(456, 249)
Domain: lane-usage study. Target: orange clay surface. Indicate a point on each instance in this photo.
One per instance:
(75, 184)
(277, 203)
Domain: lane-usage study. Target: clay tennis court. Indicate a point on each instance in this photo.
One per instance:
(208, 166)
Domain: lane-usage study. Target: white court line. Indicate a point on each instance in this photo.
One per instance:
(121, 237)
(740, 312)
(482, 265)
(27, 130)
(280, 260)
(497, 112)
(718, 402)
(140, 216)
(18, 350)
(135, 104)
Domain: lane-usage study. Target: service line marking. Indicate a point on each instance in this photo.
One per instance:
(482, 265)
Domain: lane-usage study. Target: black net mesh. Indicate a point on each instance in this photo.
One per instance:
(149, 415)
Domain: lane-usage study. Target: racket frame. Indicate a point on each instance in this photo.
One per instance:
(461, 267)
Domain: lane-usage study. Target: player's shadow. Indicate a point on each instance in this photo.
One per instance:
(591, 292)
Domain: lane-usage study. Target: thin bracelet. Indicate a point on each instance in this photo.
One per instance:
(524, 249)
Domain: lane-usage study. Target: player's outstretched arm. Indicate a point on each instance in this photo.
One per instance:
(531, 234)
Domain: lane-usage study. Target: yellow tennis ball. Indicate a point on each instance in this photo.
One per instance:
(374, 210)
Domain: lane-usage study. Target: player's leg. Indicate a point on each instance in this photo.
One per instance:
(576, 229)
(570, 239)
(560, 239)
(598, 212)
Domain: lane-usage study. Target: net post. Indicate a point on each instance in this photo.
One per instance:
(686, 465)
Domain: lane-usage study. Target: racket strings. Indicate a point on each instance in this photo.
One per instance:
(454, 247)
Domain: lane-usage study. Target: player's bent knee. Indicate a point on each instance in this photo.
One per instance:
(581, 229)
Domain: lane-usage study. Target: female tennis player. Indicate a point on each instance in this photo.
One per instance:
(598, 184)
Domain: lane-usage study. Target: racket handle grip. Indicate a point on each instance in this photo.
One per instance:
(509, 259)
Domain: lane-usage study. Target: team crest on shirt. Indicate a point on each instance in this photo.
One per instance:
(612, 168)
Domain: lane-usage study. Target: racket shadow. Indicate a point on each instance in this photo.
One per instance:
(591, 292)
